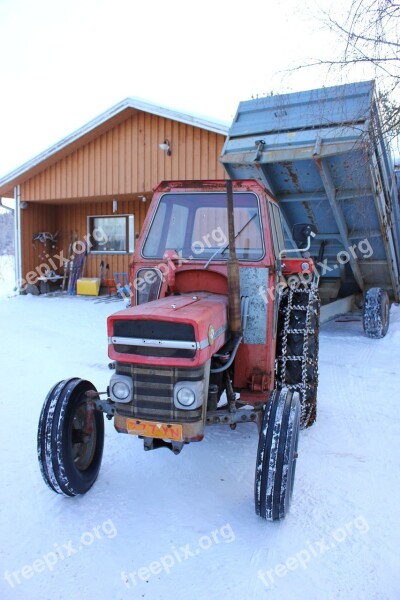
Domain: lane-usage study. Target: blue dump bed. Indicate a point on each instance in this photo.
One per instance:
(323, 156)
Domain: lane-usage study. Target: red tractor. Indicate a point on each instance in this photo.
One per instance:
(222, 329)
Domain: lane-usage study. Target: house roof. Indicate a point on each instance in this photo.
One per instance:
(108, 119)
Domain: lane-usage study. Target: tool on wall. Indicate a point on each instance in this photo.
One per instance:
(67, 263)
(77, 263)
(44, 237)
(101, 271)
(49, 241)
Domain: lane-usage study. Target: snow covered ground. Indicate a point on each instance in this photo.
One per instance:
(159, 526)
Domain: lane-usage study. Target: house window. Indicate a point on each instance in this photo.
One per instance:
(112, 234)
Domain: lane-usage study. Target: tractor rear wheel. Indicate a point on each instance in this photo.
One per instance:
(70, 449)
(376, 313)
(297, 347)
(276, 455)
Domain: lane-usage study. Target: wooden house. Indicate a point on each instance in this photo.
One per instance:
(102, 176)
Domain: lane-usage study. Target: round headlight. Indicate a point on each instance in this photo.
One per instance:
(186, 396)
(121, 390)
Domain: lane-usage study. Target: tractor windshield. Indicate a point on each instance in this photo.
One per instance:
(195, 225)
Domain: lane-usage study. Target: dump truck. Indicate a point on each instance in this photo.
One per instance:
(323, 155)
(225, 299)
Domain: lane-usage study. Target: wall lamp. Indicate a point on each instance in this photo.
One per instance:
(166, 147)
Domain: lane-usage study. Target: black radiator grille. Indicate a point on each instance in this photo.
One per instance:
(153, 389)
(154, 330)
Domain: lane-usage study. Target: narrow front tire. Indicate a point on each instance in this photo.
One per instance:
(70, 448)
(277, 455)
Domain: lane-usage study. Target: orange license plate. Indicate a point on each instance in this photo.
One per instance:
(169, 431)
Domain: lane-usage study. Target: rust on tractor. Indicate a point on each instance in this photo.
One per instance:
(259, 381)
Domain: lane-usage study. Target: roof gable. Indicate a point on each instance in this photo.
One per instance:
(96, 127)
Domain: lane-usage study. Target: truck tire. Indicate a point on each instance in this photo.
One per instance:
(277, 455)
(376, 313)
(69, 458)
(297, 347)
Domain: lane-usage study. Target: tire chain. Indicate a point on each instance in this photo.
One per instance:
(311, 308)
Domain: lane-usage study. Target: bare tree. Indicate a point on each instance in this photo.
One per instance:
(369, 36)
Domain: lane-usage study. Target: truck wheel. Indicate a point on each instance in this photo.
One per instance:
(276, 455)
(69, 458)
(376, 313)
(297, 347)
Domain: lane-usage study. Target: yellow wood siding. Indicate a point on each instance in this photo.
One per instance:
(127, 160)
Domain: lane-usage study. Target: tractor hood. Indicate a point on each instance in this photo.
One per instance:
(184, 330)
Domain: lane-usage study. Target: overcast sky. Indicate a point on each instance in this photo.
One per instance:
(64, 63)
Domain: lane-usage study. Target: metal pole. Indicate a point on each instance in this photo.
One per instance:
(17, 237)
(235, 321)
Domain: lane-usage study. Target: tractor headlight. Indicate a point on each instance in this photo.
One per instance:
(121, 388)
(188, 395)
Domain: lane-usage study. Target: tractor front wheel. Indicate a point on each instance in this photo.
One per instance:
(276, 455)
(70, 441)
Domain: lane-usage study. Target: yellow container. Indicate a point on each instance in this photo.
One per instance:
(88, 286)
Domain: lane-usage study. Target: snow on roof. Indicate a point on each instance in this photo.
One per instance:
(202, 122)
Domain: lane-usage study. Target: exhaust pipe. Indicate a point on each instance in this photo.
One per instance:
(235, 319)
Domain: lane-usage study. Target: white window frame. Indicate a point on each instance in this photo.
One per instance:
(130, 231)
